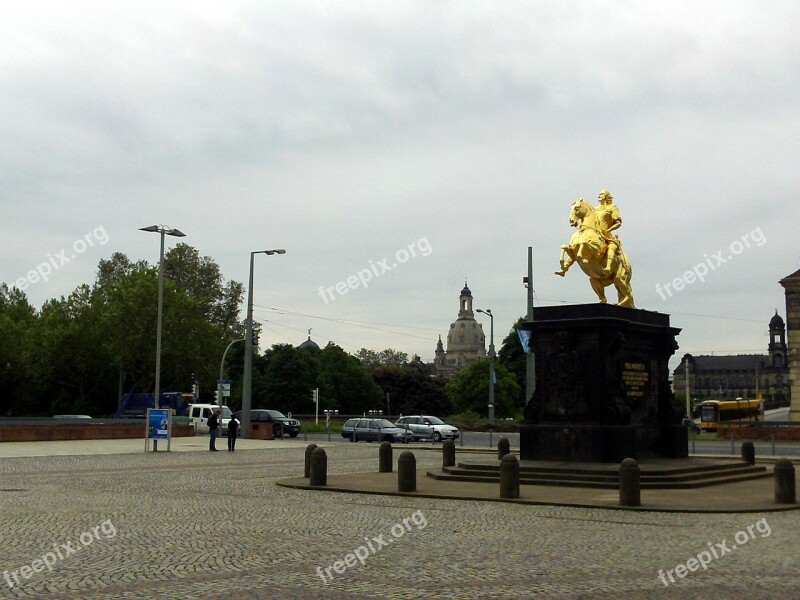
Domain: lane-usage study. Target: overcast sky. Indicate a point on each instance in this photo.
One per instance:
(347, 131)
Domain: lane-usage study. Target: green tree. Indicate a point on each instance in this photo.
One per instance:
(512, 356)
(17, 318)
(287, 380)
(345, 384)
(72, 365)
(200, 279)
(73, 354)
(468, 389)
(389, 357)
(199, 318)
(411, 390)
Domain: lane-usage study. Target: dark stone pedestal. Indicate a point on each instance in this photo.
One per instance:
(602, 386)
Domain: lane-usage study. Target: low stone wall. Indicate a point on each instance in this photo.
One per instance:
(759, 433)
(90, 431)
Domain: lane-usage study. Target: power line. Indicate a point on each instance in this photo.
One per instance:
(284, 310)
(322, 337)
(357, 323)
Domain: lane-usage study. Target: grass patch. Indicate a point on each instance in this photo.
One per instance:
(335, 427)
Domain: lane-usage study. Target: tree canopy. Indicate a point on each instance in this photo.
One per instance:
(512, 357)
(75, 354)
(79, 353)
(468, 389)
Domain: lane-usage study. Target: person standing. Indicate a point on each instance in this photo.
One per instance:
(233, 430)
(213, 430)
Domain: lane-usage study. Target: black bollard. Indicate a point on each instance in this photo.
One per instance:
(509, 477)
(406, 472)
(309, 450)
(385, 458)
(749, 453)
(449, 453)
(784, 481)
(629, 483)
(319, 467)
(503, 448)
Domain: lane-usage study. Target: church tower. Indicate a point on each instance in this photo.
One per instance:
(439, 354)
(777, 342)
(466, 341)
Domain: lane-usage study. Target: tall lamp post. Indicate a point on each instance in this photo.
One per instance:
(491, 361)
(222, 371)
(163, 230)
(530, 359)
(248, 347)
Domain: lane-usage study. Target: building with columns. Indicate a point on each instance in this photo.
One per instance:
(465, 340)
(791, 285)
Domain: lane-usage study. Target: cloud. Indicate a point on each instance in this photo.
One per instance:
(344, 130)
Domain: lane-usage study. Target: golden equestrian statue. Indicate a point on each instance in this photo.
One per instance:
(596, 250)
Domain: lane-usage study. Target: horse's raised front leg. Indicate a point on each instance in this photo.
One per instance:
(565, 263)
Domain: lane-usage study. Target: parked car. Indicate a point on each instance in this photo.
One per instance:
(199, 413)
(281, 423)
(427, 427)
(374, 430)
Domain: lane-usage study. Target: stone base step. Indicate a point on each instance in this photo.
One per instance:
(607, 476)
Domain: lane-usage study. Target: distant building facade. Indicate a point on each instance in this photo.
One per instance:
(791, 285)
(745, 376)
(465, 341)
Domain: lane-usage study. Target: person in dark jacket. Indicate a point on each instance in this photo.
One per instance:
(233, 430)
(213, 429)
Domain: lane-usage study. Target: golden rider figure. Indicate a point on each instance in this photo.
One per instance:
(608, 216)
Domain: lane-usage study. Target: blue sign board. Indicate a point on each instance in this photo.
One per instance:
(158, 423)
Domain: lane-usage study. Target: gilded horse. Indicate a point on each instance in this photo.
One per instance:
(588, 247)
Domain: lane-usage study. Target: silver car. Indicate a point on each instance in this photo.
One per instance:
(374, 430)
(426, 427)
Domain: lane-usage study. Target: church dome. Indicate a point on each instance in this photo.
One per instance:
(776, 322)
(466, 291)
(309, 343)
(466, 335)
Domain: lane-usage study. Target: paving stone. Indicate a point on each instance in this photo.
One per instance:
(214, 525)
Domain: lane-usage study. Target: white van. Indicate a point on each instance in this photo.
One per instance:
(199, 413)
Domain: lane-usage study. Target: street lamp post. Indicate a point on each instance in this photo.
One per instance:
(248, 347)
(491, 362)
(222, 371)
(163, 230)
(530, 358)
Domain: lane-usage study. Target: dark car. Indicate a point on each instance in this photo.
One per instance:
(281, 423)
(374, 430)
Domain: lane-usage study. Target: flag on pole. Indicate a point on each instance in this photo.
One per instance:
(525, 339)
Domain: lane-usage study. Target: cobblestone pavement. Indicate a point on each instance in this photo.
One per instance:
(202, 525)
